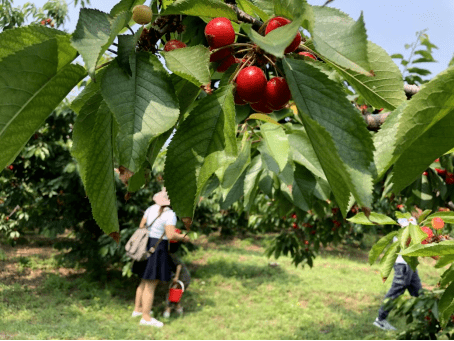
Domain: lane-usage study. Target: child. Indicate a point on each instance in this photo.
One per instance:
(181, 273)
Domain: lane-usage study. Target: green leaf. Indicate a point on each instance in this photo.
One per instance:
(448, 217)
(276, 143)
(417, 234)
(423, 216)
(385, 89)
(126, 48)
(303, 187)
(388, 260)
(145, 105)
(422, 190)
(82, 131)
(443, 261)
(447, 276)
(99, 177)
(340, 39)
(156, 145)
(252, 9)
(186, 92)
(433, 249)
(33, 82)
(446, 305)
(251, 181)
(380, 245)
(266, 5)
(419, 71)
(17, 39)
(277, 40)
(125, 5)
(191, 63)
(264, 118)
(137, 180)
(303, 153)
(397, 55)
(235, 169)
(292, 9)
(204, 142)
(345, 148)
(233, 194)
(424, 130)
(205, 8)
(377, 218)
(95, 32)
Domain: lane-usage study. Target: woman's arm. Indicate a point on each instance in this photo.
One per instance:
(143, 222)
(172, 235)
(177, 273)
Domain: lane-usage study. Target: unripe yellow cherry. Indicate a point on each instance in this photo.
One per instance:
(142, 14)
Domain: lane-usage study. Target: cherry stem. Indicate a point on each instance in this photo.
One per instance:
(235, 74)
(102, 65)
(244, 50)
(241, 35)
(231, 45)
(130, 29)
(274, 65)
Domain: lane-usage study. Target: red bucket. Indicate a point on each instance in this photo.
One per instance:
(175, 294)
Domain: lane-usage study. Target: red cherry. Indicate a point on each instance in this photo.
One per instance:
(173, 45)
(7, 218)
(226, 63)
(437, 160)
(425, 173)
(449, 178)
(43, 22)
(251, 84)
(10, 167)
(278, 22)
(307, 54)
(277, 93)
(48, 20)
(294, 216)
(219, 32)
(220, 55)
(438, 223)
(441, 172)
(173, 240)
(428, 231)
(306, 242)
(261, 106)
(295, 225)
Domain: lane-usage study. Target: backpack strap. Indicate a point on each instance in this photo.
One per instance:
(153, 248)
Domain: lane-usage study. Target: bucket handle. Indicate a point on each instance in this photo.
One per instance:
(179, 282)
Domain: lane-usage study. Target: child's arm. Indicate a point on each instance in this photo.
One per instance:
(177, 273)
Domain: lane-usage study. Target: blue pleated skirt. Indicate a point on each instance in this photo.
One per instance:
(158, 265)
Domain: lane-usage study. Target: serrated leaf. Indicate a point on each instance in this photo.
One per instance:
(433, 249)
(276, 142)
(379, 219)
(235, 169)
(266, 5)
(292, 9)
(388, 260)
(380, 245)
(251, 9)
(156, 146)
(416, 233)
(340, 39)
(303, 187)
(234, 193)
(345, 148)
(95, 32)
(277, 40)
(137, 180)
(264, 118)
(191, 63)
(447, 276)
(385, 89)
(33, 82)
(446, 304)
(186, 92)
(16, 39)
(205, 8)
(126, 48)
(424, 130)
(82, 131)
(448, 217)
(385, 141)
(303, 153)
(99, 177)
(251, 181)
(443, 261)
(145, 105)
(125, 5)
(204, 142)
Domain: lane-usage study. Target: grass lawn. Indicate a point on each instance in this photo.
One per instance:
(234, 294)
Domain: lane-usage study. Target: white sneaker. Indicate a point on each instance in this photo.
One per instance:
(136, 313)
(153, 322)
(383, 324)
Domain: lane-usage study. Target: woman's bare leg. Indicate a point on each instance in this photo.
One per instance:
(147, 298)
(139, 293)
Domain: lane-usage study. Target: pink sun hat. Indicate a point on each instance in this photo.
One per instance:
(161, 198)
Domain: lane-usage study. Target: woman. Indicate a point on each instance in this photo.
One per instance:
(160, 221)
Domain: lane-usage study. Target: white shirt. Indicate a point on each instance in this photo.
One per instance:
(400, 259)
(168, 217)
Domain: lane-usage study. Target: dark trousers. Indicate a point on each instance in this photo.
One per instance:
(404, 278)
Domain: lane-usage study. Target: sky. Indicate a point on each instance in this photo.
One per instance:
(389, 23)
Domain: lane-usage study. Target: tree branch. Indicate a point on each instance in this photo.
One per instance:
(243, 16)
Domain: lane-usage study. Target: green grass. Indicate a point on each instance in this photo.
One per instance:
(234, 294)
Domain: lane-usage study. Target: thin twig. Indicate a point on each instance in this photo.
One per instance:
(130, 29)
(102, 65)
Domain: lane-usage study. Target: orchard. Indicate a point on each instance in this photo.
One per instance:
(283, 110)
